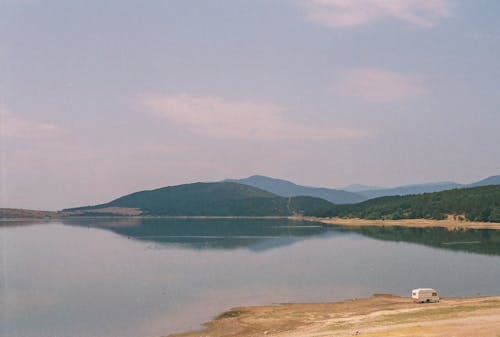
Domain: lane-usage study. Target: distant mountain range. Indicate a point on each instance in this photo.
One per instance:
(376, 192)
(493, 180)
(205, 199)
(409, 189)
(353, 193)
(286, 188)
(264, 196)
(358, 187)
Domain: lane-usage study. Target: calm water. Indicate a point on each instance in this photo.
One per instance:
(157, 276)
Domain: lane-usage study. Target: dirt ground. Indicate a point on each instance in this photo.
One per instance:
(17, 213)
(377, 316)
(14, 213)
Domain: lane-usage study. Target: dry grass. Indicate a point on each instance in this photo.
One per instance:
(377, 316)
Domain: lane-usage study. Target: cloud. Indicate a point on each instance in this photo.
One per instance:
(380, 85)
(22, 127)
(220, 118)
(351, 13)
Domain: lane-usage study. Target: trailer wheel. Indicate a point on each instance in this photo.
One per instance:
(428, 300)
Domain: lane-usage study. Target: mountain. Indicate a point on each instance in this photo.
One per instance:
(409, 189)
(358, 188)
(493, 180)
(286, 188)
(474, 203)
(354, 193)
(375, 192)
(206, 199)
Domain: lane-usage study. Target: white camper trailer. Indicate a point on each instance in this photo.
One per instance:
(422, 295)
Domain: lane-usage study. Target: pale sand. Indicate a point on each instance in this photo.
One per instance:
(449, 223)
(377, 316)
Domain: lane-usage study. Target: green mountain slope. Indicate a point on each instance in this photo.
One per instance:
(475, 204)
(212, 199)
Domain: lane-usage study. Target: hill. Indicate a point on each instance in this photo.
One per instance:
(208, 199)
(286, 188)
(474, 204)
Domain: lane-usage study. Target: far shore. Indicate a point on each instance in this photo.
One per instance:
(377, 316)
(450, 223)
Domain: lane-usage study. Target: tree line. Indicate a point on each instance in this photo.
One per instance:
(473, 204)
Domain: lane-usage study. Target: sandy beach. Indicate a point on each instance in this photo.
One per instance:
(379, 315)
(450, 223)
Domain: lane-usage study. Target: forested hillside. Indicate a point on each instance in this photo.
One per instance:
(474, 204)
(212, 199)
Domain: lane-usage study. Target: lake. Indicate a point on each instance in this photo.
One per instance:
(151, 277)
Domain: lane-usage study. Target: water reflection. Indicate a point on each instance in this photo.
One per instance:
(210, 233)
(22, 222)
(481, 241)
(271, 233)
(100, 277)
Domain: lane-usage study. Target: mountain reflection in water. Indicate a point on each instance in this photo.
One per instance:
(222, 233)
(234, 233)
(153, 276)
(481, 241)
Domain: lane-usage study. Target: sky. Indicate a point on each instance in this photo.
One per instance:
(103, 98)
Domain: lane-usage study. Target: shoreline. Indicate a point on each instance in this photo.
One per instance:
(450, 223)
(376, 316)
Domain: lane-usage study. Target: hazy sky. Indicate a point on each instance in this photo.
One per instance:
(102, 98)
